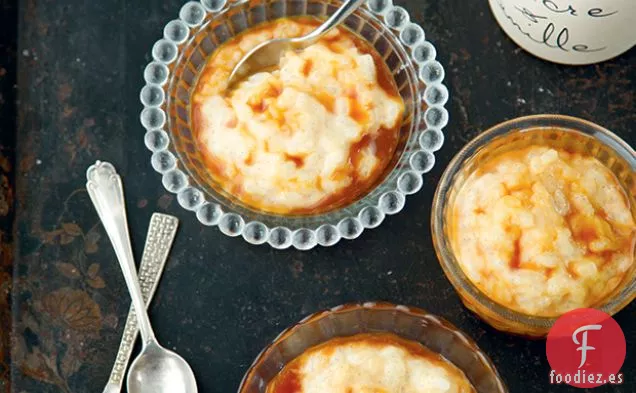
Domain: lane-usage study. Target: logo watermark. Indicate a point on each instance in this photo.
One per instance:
(581, 376)
(586, 348)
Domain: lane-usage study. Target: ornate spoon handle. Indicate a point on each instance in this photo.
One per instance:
(161, 233)
(106, 190)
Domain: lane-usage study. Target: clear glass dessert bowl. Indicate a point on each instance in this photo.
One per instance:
(171, 77)
(434, 333)
(562, 132)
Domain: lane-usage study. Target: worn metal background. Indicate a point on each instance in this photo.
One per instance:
(79, 73)
(8, 35)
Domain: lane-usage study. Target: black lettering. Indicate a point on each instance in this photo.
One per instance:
(511, 19)
(552, 6)
(532, 17)
(598, 13)
(547, 33)
(563, 38)
(585, 48)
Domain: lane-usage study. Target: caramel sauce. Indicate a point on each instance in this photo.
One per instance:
(331, 38)
(289, 383)
(259, 106)
(607, 255)
(384, 152)
(357, 149)
(259, 103)
(335, 47)
(250, 159)
(385, 140)
(288, 379)
(325, 99)
(585, 235)
(384, 77)
(299, 161)
(549, 272)
(584, 229)
(307, 67)
(515, 260)
(571, 270)
(274, 90)
(357, 112)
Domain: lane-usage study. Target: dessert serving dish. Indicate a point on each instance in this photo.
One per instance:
(536, 217)
(318, 150)
(370, 346)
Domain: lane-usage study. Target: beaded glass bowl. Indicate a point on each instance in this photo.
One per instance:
(565, 132)
(410, 323)
(171, 77)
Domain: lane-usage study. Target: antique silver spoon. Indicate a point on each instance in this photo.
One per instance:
(269, 52)
(161, 233)
(156, 369)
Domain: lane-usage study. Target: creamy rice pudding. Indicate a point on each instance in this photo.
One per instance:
(311, 135)
(370, 363)
(542, 230)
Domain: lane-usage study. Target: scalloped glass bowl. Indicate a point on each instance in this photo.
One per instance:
(172, 75)
(573, 134)
(411, 323)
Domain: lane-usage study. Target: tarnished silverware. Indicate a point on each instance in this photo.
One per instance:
(156, 369)
(161, 233)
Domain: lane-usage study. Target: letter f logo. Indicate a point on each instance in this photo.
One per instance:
(583, 344)
(600, 353)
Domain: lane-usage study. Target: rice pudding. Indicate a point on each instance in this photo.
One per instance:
(542, 230)
(370, 363)
(311, 135)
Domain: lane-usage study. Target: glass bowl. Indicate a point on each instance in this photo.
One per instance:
(171, 77)
(561, 131)
(408, 322)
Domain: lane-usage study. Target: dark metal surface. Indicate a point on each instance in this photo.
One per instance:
(8, 34)
(221, 300)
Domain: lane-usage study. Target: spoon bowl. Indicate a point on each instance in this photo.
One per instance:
(158, 369)
(264, 55)
(268, 53)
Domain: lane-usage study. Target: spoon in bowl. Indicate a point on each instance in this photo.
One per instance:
(268, 53)
(156, 369)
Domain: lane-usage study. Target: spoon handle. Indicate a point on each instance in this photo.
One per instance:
(161, 233)
(107, 193)
(338, 17)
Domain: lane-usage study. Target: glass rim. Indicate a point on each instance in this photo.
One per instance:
(378, 306)
(368, 211)
(446, 257)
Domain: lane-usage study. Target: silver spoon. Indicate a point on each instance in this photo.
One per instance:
(156, 369)
(268, 53)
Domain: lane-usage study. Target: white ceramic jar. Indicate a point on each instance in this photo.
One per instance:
(569, 31)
